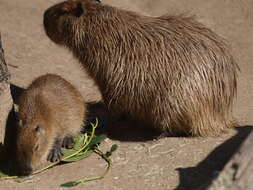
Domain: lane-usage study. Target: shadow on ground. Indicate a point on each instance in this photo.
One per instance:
(7, 164)
(201, 176)
(7, 150)
(16, 92)
(12, 121)
(122, 128)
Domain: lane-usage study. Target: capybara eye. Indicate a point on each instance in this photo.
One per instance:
(78, 10)
(38, 128)
(64, 11)
(97, 1)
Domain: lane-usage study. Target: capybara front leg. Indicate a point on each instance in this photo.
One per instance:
(55, 153)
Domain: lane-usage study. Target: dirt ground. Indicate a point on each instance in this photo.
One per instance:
(139, 164)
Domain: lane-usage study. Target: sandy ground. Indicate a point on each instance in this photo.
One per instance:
(165, 164)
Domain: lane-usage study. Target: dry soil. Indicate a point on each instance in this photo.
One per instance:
(139, 164)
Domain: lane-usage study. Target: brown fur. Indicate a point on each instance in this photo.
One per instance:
(170, 71)
(54, 105)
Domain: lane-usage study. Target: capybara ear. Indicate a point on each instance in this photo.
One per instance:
(73, 7)
(78, 11)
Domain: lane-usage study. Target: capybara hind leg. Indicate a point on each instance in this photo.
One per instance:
(68, 142)
(55, 153)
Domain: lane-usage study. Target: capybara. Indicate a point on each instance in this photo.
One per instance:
(51, 111)
(169, 71)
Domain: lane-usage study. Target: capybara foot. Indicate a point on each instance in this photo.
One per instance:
(162, 135)
(55, 154)
(68, 142)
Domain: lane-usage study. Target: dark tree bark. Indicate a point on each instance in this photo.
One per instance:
(5, 95)
(238, 172)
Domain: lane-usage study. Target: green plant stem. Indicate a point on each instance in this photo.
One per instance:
(8, 177)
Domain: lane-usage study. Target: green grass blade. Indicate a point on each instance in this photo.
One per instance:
(69, 184)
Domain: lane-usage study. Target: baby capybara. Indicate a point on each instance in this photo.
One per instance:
(169, 71)
(51, 111)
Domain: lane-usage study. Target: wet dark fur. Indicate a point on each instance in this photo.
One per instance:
(170, 71)
(49, 110)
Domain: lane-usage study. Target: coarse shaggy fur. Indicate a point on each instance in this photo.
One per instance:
(170, 71)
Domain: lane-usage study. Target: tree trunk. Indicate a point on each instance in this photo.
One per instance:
(238, 172)
(5, 95)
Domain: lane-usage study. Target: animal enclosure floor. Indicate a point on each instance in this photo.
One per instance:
(165, 164)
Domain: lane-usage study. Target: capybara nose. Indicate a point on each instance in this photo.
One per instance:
(25, 170)
(55, 12)
(47, 18)
(51, 14)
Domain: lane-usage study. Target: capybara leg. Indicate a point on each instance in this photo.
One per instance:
(167, 130)
(162, 135)
(55, 153)
(68, 142)
(209, 126)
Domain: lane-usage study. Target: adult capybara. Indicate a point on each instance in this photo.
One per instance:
(169, 71)
(51, 111)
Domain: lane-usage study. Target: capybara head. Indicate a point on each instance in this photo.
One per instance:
(32, 144)
(61, 19)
